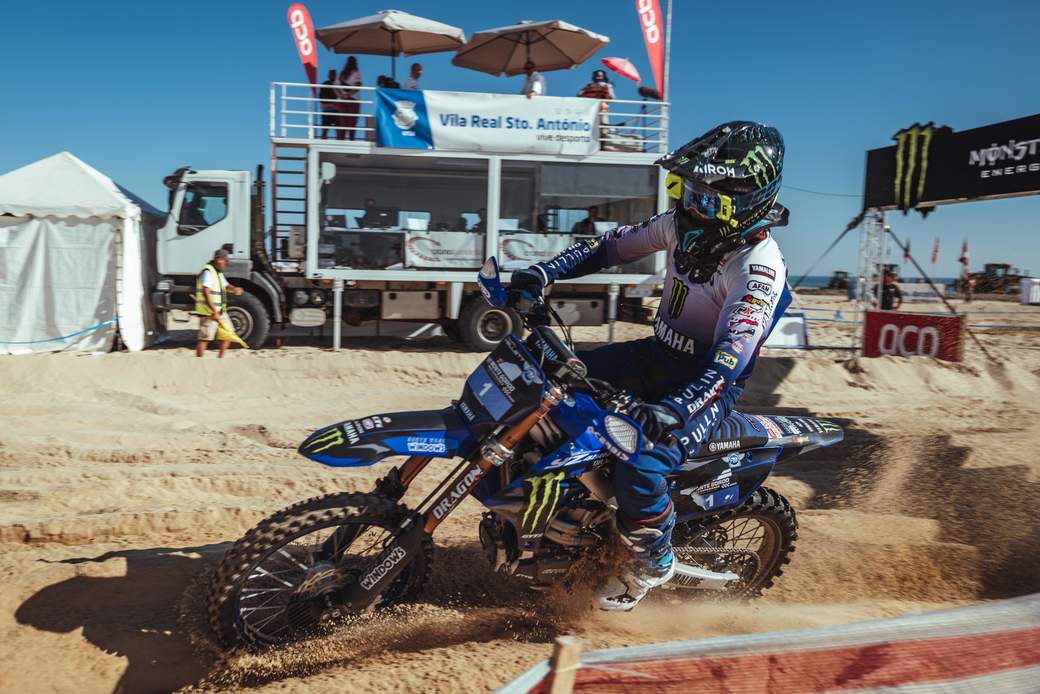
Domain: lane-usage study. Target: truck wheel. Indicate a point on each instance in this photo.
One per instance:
(483, 326)
(250, 319)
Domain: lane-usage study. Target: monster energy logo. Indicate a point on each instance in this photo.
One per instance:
(912, 145)
(541, 501)
(760, 165)
(675, 303)
(333, 437)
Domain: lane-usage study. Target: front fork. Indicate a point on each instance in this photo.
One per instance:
(398, 554)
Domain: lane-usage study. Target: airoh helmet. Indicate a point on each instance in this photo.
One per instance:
(726, 182)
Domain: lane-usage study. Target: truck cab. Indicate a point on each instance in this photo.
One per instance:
(210, 210)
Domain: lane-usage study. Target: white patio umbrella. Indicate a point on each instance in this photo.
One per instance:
(551, 45)
(392, 33)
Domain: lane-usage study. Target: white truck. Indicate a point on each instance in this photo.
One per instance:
(360, 232)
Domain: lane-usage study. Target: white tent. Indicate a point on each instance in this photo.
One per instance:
(76, 260)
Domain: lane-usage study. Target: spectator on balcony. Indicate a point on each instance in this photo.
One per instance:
(328, 95)
(413, 77)
(587, 226)
(387, 82)
(535, 84)
(350, 77)
(599, 88)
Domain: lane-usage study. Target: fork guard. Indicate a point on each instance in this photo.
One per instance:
(366, 441)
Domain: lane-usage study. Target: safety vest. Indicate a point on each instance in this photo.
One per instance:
(219, 297)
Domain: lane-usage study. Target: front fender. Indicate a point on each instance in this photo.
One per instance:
(360, 442)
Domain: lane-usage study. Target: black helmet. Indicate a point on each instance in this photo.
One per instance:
(730, 178)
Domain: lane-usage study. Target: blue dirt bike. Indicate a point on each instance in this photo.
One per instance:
(538, 441)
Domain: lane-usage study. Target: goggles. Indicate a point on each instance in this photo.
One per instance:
(703, 200)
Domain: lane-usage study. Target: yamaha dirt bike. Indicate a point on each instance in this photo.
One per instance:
(538, 440)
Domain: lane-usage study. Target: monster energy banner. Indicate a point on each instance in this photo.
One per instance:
(931, 165)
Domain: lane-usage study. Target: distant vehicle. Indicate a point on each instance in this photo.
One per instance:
(839, 280)
(995, 278)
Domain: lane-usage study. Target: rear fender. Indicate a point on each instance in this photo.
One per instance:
(366, 441)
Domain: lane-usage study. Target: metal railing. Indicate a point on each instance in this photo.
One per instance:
(298, 112)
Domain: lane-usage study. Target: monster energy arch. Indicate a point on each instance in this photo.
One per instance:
(931, 165)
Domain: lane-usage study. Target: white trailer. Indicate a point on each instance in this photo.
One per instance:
(360, 232)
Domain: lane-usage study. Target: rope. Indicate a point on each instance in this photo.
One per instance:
(851, 225)
(820, 192)
(63, 337)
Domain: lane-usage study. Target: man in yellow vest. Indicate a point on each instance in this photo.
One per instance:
(211, 288)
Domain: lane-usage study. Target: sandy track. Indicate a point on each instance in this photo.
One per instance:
(124, 477)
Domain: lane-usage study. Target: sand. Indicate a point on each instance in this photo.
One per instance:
(124, 477)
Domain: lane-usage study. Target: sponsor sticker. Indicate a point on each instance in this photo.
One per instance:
(763, 270)
(756, 286)
(772, 430)
(748, 299)
(425, 444)
(456, 493)
(727, 360)
(717, 446)
(391, 560)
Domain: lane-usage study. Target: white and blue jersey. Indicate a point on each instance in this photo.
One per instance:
(719, 324)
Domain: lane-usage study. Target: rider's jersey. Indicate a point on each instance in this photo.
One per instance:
(722, 322)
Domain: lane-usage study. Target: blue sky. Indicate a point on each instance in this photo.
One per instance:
(137, 89)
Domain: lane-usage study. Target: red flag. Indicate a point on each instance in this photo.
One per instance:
(303, 33)
(651, 22)
(935, 251)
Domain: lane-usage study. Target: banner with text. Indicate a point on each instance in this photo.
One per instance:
(932, 165)
(913, 334)
(471, 122)
(444, 249)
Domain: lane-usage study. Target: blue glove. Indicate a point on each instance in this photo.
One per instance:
(525, 288)
(656, 421)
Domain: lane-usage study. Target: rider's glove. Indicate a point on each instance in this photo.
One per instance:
(656, 421)
(525, 288)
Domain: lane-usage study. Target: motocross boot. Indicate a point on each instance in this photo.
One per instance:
(652, 564)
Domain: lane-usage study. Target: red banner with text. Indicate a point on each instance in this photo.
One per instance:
(913, 334)
(651, 23)
(303, 33)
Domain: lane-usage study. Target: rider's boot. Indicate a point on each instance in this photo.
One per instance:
(652, 563)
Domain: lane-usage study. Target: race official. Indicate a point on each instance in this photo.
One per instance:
(211, 288)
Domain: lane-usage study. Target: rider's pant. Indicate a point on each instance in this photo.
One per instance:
(651, 371)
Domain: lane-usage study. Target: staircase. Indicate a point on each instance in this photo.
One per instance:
(288, 197)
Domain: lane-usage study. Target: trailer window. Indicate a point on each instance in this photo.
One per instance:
(557, 203)
(385, 212)
(204, 205)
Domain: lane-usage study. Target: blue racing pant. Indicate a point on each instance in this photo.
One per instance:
(651, 371)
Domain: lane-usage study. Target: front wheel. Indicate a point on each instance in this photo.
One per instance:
(754, 541)
(281, 580)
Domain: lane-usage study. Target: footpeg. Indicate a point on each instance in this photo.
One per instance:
(689, 576)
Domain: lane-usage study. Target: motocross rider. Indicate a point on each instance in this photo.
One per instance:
(725, 286)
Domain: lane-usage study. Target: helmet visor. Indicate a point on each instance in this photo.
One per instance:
(703, 200)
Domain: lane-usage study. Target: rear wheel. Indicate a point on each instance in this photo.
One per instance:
(249, 318)
(280, 581)
(754, 541)
(483, 326)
